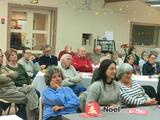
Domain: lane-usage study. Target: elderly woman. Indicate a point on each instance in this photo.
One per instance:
(132, 94)
(130, 59)
(72, 77)
(57, 100)
(22, 76)
(105, 89)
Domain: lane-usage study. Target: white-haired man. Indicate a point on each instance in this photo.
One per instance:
(71, 75)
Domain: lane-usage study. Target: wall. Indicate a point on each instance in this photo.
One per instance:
(73, 20)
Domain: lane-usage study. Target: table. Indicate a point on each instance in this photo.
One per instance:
(10, 117)
(122, 115)
(142, 80)
(146, 80)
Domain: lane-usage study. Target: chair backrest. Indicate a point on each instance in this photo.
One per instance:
(40, 108)
(150, 91)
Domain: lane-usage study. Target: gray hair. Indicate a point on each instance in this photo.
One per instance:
(50, 71)
(65, 56)
(123, 68)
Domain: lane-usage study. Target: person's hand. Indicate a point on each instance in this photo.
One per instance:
(57, 108)
(151, 102)
(32, 57)
(43, 67)
(54, 85)
(114, 106)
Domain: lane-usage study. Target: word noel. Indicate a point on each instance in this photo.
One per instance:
(111, 109)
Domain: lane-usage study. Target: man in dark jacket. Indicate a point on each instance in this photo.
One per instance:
(151, 67)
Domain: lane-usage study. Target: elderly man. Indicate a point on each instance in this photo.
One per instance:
(71, 75)
(11, 93)
(47, 58)
(81, 62)
(28, 62)
(151, 67)
(67, 50)
(96, 56)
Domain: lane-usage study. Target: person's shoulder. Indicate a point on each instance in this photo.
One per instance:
(53, 56)
(21, 60)
(42, 57)
(96, 84)
(66, 88)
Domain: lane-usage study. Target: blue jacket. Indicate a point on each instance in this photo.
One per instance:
(63, 96)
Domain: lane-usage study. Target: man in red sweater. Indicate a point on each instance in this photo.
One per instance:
(81, 62)
(67, 50)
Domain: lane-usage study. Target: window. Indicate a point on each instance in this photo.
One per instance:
(145, 34)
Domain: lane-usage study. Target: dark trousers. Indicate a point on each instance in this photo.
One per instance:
(77, 89)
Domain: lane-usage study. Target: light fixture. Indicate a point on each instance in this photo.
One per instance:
(156, 5)
(34, 1)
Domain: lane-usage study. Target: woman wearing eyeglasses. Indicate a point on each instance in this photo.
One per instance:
(132, 94)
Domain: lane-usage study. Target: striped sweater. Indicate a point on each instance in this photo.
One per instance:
(133, 96)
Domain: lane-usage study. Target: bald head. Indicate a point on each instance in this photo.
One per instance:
(82, 52)
(97, 49)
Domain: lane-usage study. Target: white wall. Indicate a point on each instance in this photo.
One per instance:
(73, 20)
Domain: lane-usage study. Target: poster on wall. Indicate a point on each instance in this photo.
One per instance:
(109, 35)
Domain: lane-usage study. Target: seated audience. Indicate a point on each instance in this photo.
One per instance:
(116, 58)
(20, 95)
(96, 56)
(47, 58)
(22, 76)
(130, 60)
(143, 60)
(80, 62)
(71, 75)
(67, 50)
(132, 51)
(27, 61)
(132, 94)
(57, 100)
(105, 89)
(151, 67)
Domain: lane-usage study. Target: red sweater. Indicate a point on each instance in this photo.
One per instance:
(64, 52)
(80, 64)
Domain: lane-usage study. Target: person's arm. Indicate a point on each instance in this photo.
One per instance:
(53, 98)
(129, 100)
(77, 66)
(55, 60)
(76, 77)
(67, 82)
(93, 92)
(89, 66)
(144, 69)
(7, 76)
(73, 100)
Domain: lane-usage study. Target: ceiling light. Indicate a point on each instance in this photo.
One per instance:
(34, 1)
(156, 5)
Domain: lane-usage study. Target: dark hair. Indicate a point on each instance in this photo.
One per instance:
(130, 50)
(128, 58)
(25, 48)
(50, 71)
(151, 55)
(102, 70)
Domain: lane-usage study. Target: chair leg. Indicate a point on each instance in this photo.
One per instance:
(9, 109)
